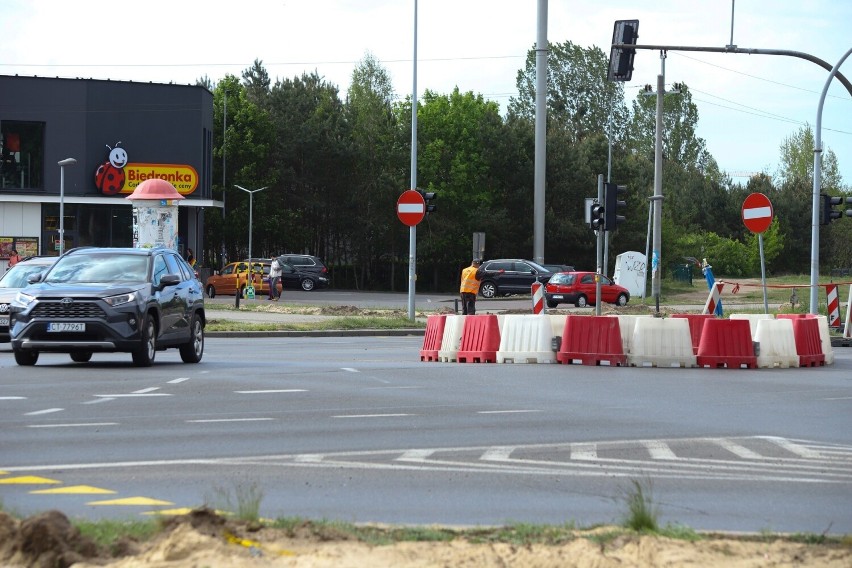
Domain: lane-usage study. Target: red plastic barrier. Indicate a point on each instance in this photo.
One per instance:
(480, 339)
(808, 342)
(726, 343)
(433, 337)
(591, 340)
(696, 325)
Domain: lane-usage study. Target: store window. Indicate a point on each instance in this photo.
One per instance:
(21, 155)
(87, 225)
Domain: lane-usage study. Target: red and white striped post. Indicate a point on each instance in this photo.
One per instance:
(538, 297)
(714, 298)
(833, 302)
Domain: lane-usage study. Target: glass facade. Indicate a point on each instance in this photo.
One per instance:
(85, 226)
(21, 154)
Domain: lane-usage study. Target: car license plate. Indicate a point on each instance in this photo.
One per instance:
(4, 320)
(66, 327)
(557, 296)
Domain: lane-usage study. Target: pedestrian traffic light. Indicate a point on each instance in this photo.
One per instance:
(625, 32)
(612, 204)
(429, 197)
(828, 212)
(597, 217)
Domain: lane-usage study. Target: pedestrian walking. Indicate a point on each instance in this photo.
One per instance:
(14, 258)
(275, 272)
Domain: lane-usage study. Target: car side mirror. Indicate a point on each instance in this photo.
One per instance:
(169, 280)
(33, 278)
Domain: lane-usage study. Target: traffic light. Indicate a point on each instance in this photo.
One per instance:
(597, 217)
(621, 58)
(429, 197)
(612, 204)
(828, 212)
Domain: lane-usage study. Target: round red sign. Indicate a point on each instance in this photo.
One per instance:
(411, 207)
(757, 212)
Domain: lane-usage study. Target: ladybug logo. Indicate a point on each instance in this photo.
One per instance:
(110, 175)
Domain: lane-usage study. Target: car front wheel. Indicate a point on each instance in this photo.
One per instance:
(307, 284)
(26, 358)
(192, 351)
(621, 300)
(581, 302)
(147, 350)
(81, 356)
(552, 304)
(488, 290)
(211, 292)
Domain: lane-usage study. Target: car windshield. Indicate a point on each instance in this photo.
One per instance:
(17, 276)
(537, 266)
(562, 278)
(83, 269)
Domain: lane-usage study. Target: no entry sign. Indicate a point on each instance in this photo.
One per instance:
(757, 212)
(411, 207)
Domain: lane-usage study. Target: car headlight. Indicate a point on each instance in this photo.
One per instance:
(22, 300)
(120, 299)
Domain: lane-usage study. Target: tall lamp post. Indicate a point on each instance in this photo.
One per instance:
(251, 193)
(62, 164)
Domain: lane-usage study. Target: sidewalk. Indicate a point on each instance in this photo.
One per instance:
(251, 316)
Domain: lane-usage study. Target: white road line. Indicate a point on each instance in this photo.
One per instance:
(309, 458)
(146, 391)
(231, 420)
(584, 451)
(659, 450)
(370, 415)
(178, 380)
(737, 449)
(72, 425)
(270, 391)
(132, 395)
(13, 398)
(415, 455)
(350, 369)
(505, 411)
(98, 400)
(792, 447)
(497, 454)
(45, 411)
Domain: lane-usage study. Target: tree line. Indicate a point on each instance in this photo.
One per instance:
(334, 166)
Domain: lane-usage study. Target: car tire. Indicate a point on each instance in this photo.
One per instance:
(26, 358)
(581, 301)
(621, 300)
(552, 304)
(81, 356)
(144, 355)
(488, 289)
(192, 351)
(307, 284)
(211, 292)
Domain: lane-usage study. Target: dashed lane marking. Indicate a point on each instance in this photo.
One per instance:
(230, 420)
(82, 424)
(270, 391)
(506, 411)
(45, 411)
(133, 395)
(371, 415)
(178, 380)
(132, 501)
(146, 391)
(13, 398)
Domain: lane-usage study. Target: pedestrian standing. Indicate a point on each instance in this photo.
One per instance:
(14, 258)
(469, 288)
(275, 272)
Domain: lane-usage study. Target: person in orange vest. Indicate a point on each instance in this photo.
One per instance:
(469, 288)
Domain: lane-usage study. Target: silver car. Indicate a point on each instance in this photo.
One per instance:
(13, 280)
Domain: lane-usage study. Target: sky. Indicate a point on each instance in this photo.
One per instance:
(748, 104)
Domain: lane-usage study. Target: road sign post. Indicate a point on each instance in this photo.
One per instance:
(757, 217)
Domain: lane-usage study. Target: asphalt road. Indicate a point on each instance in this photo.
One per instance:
(358, 429)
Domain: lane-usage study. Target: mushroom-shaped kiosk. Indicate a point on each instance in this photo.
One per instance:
(155, 214)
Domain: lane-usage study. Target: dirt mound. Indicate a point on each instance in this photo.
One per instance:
(48, 540)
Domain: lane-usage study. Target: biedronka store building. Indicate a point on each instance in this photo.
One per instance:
(120, 133)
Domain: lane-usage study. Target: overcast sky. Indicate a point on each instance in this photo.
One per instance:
(748, 104)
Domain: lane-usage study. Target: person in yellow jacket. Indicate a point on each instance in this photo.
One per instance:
(469, 288)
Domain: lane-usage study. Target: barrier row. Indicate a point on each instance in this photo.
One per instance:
(681, 340)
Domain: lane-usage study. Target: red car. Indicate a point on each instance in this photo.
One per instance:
(578, 288)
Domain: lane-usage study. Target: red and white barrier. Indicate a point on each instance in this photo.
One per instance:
(713, 298)
(538, 297)
(833, 302)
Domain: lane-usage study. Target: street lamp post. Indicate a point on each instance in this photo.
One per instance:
(62, 164)
(251, 193)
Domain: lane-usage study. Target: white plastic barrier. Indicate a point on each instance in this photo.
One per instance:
(627, 324)
(752, 320)
(449, 351)
(661, 342)
(777, 343)
(557, 324)
(825, 339)
(526, 339)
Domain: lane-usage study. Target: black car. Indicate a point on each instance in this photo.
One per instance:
(297, 277)
(510, 276)
(137, 301)
(306, 263)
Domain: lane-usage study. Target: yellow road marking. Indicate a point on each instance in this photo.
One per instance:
(74, 489)
(27, 480)
(147, 501)
(181, 511)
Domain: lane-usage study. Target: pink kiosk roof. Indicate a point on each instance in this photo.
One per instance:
(155, 189)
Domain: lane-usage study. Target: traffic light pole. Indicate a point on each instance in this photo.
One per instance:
(600, 232)
(656, 268)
